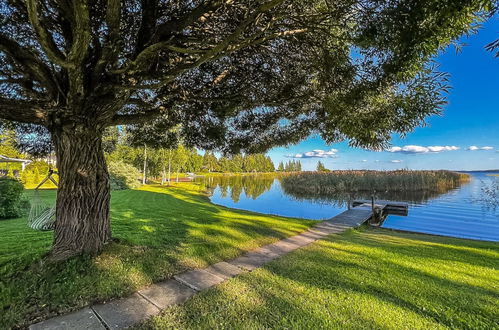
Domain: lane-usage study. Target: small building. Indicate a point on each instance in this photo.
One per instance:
(8, 160)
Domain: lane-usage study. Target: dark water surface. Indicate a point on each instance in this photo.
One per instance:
(459, 212)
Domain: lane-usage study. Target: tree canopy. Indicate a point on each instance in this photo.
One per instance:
(226, 75)
(235, 75)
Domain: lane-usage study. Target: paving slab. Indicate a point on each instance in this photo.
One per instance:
(123, 313)
(167, 293)
(269, 251)
(300, 240)
(83, 319)
(281, 247)
(251, 260)
(199, 279)
(313, 234)
(224, 269)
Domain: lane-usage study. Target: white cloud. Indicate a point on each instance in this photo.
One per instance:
(412, 149)
(317, 153)
(473, 148)
(440, 149)
(364, 160)
(396, 161)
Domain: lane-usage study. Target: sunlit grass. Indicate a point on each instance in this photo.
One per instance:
(159, 231)
(363, 279)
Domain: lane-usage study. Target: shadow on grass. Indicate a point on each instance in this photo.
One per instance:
(356, 280)
(157, 234)
(403, 275)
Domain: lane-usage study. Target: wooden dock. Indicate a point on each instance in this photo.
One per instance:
(389, 207)
(362, 211)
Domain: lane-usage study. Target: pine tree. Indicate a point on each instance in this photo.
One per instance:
(321, 167)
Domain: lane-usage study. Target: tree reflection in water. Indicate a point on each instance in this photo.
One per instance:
(254, 185)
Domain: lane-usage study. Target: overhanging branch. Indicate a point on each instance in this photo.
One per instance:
(136, 118)
(44, 38)
(22, 111)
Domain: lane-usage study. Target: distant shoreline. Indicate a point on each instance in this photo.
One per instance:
(474, 171)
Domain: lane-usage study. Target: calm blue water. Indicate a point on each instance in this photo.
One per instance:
(458, 213)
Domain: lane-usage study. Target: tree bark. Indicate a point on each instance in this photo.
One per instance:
(82, 211)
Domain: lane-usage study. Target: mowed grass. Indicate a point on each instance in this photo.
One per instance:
(159, 231)
(362, 279)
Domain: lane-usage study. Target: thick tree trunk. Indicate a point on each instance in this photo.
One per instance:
(82, 214)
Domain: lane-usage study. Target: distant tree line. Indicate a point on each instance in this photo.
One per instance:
(157, 162)
(238, 163)
(290, 166)
(153, 162)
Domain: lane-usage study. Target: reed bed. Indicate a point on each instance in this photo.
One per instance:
(368, 181)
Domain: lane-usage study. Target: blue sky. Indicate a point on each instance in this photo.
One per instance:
(471, 118)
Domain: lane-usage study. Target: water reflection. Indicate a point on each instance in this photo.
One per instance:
(251, 185)
(459, 212)
(342, 199)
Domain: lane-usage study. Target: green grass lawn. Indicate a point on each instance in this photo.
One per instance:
(159, 232)
(362, 279)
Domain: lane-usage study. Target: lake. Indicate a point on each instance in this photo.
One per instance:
(459, 212)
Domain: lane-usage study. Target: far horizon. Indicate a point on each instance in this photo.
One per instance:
(464, 138)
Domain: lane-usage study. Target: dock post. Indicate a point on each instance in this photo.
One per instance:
(372, 200)
(376, 212)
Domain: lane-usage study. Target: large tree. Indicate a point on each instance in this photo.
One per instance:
(234, 75)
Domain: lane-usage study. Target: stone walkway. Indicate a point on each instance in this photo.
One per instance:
(125, 312)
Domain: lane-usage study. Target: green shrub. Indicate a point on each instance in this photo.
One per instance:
(123, 176)
(11, 203)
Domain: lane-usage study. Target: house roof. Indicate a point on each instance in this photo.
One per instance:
(5, 159)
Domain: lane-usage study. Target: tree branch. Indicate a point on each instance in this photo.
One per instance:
(210, 54)
(164, 31)
(82, 38)
(44, 38)
(29, 63)
(147, 24)
(22, 111)
(136, 118)
(110, 53)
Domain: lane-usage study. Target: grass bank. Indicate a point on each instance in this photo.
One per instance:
(353, 181)
(159, 232)
(362, 279)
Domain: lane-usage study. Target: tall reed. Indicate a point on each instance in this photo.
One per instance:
(358, 181)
